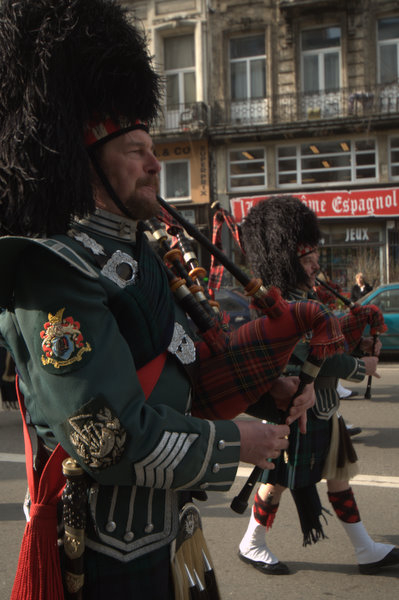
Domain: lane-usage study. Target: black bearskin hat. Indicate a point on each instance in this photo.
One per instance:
(62, 64)
(272, 233)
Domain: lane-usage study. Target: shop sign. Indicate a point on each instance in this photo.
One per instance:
(338, 204)
(357, 234)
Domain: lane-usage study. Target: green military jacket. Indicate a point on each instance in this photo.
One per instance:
(82, 314)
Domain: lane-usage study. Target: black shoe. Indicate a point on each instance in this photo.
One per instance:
(278, 568)
(351, 395)
(392, 558)
(352, 430)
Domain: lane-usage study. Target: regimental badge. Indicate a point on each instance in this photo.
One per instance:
(182, 345)
(121, 269)
(98, 439)
(63, 342)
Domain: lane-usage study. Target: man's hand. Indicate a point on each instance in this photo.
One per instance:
(371, 363)
(261, 441)
(282, 393)
(368, 346)
(283, 390)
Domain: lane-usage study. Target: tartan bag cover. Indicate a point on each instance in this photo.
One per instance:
(354, 322)
(256, 354)
(326, 297)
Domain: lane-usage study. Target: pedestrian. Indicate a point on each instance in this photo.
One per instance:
(280, 237)
(105, 357)
(361, 288)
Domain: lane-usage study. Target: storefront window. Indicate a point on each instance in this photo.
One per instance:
(348, 249)
(247, 169)
(327, 162)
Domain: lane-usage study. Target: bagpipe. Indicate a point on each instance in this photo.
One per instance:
(236, 369)
(354, 322)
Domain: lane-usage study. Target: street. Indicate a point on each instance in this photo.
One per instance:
(324, 570)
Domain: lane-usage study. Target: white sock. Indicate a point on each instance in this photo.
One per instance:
(342, 391)
(253, 544)
(367, 551)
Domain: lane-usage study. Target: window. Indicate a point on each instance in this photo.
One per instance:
(247, 169)
(248, 67)
(175, 180)
(387, 301)
(326, 162)
(394, 157)
(387, 49)
(321, 52)
(179, 71)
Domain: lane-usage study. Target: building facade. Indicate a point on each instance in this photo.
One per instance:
(297, 97)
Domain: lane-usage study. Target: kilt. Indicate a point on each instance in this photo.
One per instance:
(146, 578)
(309, 452)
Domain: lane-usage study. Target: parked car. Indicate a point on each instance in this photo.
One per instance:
(386, 297)
(234, 302)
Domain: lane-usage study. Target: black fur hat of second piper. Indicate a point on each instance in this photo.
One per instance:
(63, 64)
(276, 233)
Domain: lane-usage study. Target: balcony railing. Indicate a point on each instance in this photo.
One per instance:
(378, 101)
(288, 4)
(189, 117)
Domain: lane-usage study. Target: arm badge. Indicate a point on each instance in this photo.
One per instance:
(63, 342)
(99, 439)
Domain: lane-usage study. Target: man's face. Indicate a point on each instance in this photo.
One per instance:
(131, 168)
(310, 264)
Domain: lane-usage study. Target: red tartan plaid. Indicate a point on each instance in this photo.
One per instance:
(354, 322)
(326, 297)
(256, 354)
(169, 221)
(233, 227)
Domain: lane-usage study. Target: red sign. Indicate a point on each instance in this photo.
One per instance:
(339, 204)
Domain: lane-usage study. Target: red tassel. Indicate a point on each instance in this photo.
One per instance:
(38, 574)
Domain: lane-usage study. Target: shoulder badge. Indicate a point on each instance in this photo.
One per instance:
(121, 269)
(63, 342)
